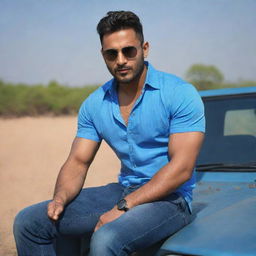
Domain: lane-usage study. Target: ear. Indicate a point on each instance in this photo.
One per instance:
(145, 48)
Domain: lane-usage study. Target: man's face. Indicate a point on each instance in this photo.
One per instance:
(124, 55)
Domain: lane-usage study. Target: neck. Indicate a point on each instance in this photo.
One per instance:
(135, 86)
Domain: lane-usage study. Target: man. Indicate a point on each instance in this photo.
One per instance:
(154, 122)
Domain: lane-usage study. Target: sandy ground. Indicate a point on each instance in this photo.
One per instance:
(32, 151)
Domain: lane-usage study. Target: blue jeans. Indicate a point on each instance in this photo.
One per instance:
(138, 228)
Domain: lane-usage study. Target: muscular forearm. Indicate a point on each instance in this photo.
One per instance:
(165, 181)
(72, 175)
(70, 180)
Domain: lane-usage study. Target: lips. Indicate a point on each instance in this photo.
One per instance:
(122, 70)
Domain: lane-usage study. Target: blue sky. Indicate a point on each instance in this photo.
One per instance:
(43, 40)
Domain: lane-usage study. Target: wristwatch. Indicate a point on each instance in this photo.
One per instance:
(122, 205)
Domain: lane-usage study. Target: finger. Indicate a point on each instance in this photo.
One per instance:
(54, 210)
(50, 209)
(98, 225)
(57, 211)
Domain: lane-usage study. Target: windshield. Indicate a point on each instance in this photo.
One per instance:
(230, 130)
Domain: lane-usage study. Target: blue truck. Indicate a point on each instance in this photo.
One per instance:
(224, 205)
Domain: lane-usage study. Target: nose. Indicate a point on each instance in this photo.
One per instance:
(121, 59)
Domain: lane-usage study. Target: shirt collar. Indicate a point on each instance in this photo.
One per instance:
(151, 80)
(152, 76)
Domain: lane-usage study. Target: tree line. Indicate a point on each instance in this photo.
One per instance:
(56, 99)
(205, 77)
(26, 100)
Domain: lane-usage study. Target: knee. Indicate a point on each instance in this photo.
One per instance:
(31, 220)
(101, 241)
(106, 241)
(22, 222)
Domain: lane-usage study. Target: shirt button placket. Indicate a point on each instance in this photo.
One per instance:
(129, 136)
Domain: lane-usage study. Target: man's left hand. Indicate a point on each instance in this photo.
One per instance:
(109, 216)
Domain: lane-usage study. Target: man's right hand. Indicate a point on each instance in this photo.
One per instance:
(55, 208)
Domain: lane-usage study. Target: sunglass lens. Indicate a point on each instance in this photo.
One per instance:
(129, 52)
(110, 54)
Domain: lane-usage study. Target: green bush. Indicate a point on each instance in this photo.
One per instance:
(56, 99)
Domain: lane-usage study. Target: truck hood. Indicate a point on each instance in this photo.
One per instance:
(224, 221)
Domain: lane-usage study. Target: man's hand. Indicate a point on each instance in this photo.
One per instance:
(72, 175)
(108, 217)
(55, 208)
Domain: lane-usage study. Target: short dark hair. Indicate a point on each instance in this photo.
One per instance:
(118, 20)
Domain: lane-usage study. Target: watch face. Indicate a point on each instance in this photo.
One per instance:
(122, 205)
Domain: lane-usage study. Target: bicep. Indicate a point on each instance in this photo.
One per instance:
(185, 147)
(83, 150)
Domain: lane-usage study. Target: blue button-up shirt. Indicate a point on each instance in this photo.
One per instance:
(166, 105)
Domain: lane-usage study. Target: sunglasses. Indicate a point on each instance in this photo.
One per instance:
(129, 52)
